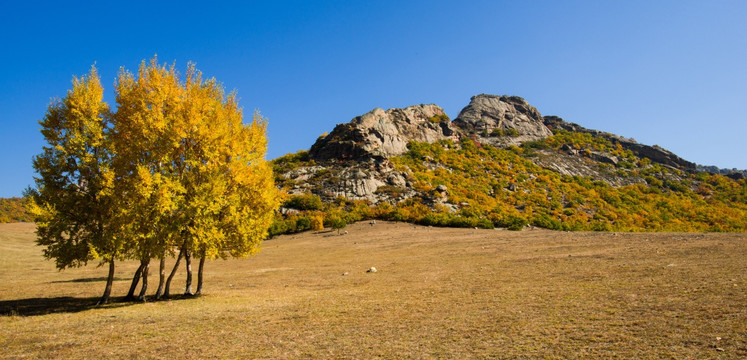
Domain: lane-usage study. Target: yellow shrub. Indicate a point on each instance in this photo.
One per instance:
(317, 223)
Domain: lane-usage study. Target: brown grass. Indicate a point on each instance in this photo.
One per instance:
(438, 293)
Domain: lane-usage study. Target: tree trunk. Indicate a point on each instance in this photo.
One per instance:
(109, 280)
(161, 276)
(146, 265)
(199, 273)
(173, 272)
(188, 262)
(135, 280)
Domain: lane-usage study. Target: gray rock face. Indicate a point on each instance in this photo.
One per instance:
(502, 120)
(573, 164)
(351, 180)
(380, 134)
(734, 173)
(353, 161)
(655, 153)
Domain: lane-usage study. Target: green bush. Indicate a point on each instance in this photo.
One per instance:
(303, 223)
(304, 202)
(511, 222)
(547, 222)
(484, 223)
(505, 132)
(438, 118)
(335, 221)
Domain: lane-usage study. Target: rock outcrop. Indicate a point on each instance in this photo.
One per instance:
(380, 134)
(655, 153)
(502, 120)
(354, 160)
(375, 181)
(572, 164)
(733, 173)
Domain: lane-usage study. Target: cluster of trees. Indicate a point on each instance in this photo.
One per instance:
(172, 171)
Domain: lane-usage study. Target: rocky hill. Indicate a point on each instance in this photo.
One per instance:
(354, 159)
(500, 155)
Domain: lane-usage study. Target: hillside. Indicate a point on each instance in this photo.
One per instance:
(500, 163)
(13, 210)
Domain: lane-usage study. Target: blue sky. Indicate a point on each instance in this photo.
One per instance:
(671, 73)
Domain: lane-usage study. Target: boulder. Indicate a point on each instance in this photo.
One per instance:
(501, 120)
(381, 134)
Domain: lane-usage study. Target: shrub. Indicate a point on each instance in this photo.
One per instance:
(304, 202)
(547, 222)
(393, 191)
(510, 222)
(303, 224)
(336, 222)
(281, 226)
(505, 132)
(317, 223)
(484, 223)
(539, 144)
(438, 118)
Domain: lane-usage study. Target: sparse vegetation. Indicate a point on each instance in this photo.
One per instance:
(505, 189)
(503, 132)
(439, 118)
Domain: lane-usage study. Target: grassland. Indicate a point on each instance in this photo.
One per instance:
(438, 293)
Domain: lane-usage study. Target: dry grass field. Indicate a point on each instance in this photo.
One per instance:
(438, 293)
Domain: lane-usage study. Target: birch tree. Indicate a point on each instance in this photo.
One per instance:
(173, 168)
(144, 137)
(74, 201)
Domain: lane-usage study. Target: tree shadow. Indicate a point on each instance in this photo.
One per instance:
(67, 304)
(86, 280)
(44, 306)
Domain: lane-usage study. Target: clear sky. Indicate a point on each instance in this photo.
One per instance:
(672, 73)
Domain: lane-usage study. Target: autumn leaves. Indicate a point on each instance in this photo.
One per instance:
(172, 169)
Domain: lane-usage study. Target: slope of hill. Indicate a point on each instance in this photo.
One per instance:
(500, 163)
(13, 210)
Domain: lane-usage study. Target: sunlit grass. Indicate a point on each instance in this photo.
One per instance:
(438, 293)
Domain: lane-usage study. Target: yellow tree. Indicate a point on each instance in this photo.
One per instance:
(145, 137)
(73, 202)
(229, 194)
(193, 175)
(174, 166)
(249, 195)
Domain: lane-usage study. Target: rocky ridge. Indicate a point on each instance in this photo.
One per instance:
(655, 152)
(353, 161)
(733, 173)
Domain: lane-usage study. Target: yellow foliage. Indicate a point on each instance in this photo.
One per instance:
(317, 223)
